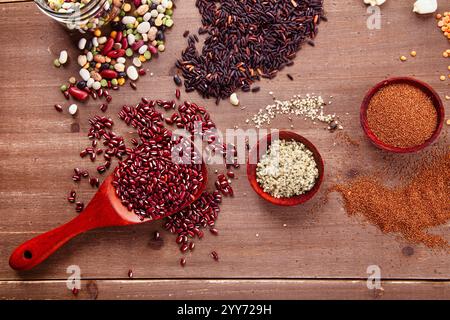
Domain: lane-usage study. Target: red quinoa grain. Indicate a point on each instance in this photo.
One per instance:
(402, 115)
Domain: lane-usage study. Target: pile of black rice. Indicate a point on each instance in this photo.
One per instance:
(246, 40)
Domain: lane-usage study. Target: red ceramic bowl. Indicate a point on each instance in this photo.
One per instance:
(292, 201)
(429, 91)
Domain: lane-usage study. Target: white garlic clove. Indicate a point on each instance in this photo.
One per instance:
(425, 6)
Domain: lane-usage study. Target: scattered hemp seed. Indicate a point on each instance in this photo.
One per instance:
(307, 107)
(447, 97)
(287, 169)
(403, 58)
(413, 53)
(442, 78)
(448, 122)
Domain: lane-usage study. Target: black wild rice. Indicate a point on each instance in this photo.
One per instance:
(247, 40)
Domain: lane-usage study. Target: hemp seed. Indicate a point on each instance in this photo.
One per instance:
(287, 169)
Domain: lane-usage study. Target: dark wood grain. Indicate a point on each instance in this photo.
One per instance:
(238, 289)
(39, 148)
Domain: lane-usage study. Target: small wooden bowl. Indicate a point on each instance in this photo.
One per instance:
(291, 201)
(429, 91)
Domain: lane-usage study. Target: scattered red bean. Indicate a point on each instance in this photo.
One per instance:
(75, 291)
(58, 108)
(94, 182)
(130, 273)
(101, 169)
(79, 206)
(72, 196)
(215, 255)
(183, 262)
(230, 174)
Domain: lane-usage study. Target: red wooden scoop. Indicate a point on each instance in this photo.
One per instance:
(104, 210)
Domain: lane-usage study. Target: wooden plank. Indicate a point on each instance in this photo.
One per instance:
(226, 289)
(38, 150)
(14, 1)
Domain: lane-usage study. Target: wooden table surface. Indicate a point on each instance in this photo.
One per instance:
(317, 254)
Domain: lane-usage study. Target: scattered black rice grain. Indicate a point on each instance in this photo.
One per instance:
(256, 89)
(290, 77)
(185, 34)
(246, 40)
(177, 80)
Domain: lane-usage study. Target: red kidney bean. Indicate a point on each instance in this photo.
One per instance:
(136, 45)
(108, 46)
(108, 74)
(152, 49)
(58, 108)
(78, 94)
(116, 53)
(119, 37)
(124, 43)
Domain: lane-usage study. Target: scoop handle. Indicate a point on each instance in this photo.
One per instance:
(34, 251)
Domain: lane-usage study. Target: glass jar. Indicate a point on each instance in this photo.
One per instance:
(91, 15)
